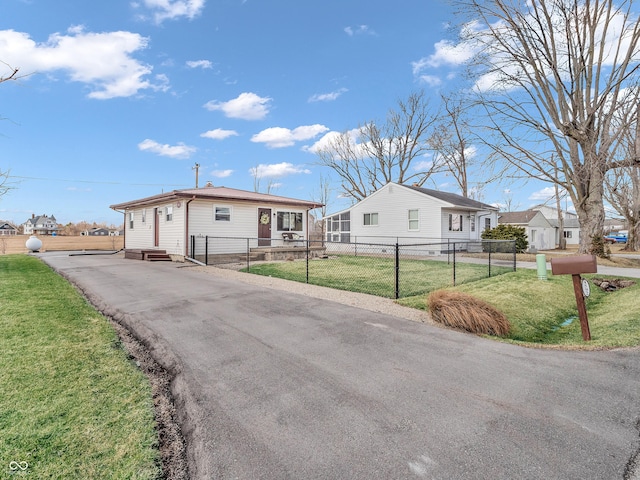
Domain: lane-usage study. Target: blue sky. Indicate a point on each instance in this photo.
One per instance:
(122, 98)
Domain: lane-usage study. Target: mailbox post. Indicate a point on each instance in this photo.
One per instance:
(574, 266)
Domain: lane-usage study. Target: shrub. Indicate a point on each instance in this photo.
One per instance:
(506, 232)
(464, 312)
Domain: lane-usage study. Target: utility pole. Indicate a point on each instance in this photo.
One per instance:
(196, 167)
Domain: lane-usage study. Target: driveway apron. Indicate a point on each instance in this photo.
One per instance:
(274, 385)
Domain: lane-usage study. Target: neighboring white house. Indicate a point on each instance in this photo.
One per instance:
(543, 230)
(168, 221)
(571, 225)
(7, 229)
(541, 234)
(40, 225)
(405, 214)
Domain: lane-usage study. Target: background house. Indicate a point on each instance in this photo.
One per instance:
(96, 232)
(167, 221)
(541, 234)
(405, 213)
(40, 225)
(537, 228)
(570, 220)
(7, 229)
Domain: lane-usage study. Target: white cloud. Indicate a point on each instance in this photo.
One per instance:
(278, 137)
(327, 97)
(277, 170)
(543, 195)
(448, 53)
(199, 64)
(174, 151)
(221, 173)
(422, 165)
(430, 80)
(359, 30)
(172, 9)
(247, 106)
(101, 60)
(219, 134)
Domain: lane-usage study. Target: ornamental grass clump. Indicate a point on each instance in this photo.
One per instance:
(464, 312)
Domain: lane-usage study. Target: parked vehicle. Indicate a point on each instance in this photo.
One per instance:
(616, 237)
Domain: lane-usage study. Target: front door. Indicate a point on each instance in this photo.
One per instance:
(264, 227)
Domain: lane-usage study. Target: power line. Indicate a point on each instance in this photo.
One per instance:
(99, 182)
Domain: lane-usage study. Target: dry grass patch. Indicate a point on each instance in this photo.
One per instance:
(464, 312)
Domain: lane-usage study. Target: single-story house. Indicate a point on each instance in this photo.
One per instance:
(406, 213)
(571, 225)
(97, 232)
(170, 221)
(40, 225)
(7, 229)
(541, 234)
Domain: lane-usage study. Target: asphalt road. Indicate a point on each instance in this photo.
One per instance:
(273, 385)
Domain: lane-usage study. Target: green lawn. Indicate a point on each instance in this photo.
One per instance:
(376, 275)
(540, 312)
(538, 309)
(73, 405)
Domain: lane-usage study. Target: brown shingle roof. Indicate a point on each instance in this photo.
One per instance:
(217, 193)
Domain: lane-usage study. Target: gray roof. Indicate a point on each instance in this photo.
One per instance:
(453, 198)
(523, 217)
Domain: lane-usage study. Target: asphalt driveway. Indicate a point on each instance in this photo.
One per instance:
(274, 385)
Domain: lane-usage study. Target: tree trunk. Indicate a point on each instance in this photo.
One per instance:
(590, 213)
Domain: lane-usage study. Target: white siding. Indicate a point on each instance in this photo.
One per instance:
(141, 236)
(244, 220)
(171, 233)
(393, 202)
(174, 235)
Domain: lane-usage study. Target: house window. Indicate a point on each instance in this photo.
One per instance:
(335, 223)
(487, 224)
(455, 222)
(131, 220)
(221, 213)
(533, 236)
(289, 221)
(345, 222)
(169, 213)
(144, 215)
(472, 223)
(370, 219)
(414, 222)
(567, 234)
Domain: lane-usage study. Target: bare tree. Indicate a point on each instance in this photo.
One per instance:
(322, 196)
(13, 73)
(257, 175)
(623, 193)
(452, 141)
(5, 184)
(509, 204)
(622, 185)
(550, 75)
(374, 155)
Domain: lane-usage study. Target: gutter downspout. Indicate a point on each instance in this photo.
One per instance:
(186, 227)
(124, 228)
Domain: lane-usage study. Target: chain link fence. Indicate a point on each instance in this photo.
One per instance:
(392, 270)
